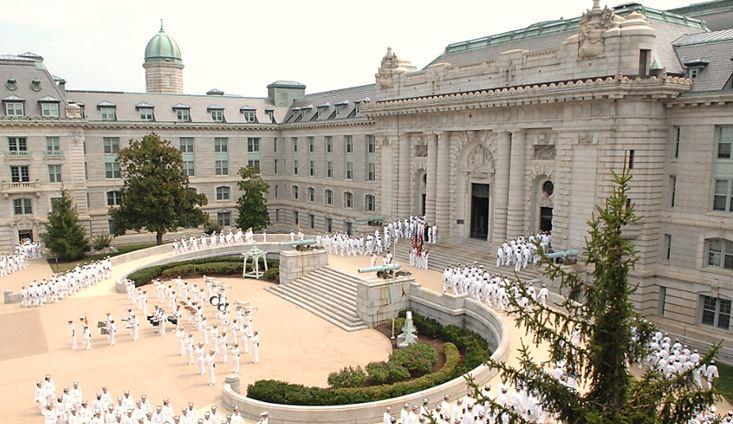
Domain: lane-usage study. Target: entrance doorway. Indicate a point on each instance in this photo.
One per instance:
(545, 219)
(423, 200)
(25, 235)
(479, 211)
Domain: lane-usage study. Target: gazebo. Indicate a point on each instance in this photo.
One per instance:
(255, 254)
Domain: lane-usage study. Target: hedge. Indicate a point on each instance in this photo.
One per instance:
(297, 394)
(211, 265)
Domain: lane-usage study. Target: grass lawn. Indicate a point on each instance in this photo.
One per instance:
(725, 382)
(65, 266)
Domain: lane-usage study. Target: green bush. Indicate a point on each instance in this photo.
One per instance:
(101, 241)
(297, 394)
(348, 377)
(386, 372)
(211, 265)
(417, 359)
(272, 275)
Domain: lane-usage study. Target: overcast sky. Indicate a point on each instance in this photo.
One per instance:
(241, 46)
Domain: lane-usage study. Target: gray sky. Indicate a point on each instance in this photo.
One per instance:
(241, 46)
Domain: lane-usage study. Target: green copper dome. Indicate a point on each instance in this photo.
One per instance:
(162, 48)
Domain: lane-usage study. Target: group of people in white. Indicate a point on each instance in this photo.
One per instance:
(207, 241)
(670, 358)
(345, 245)
(63, 284)
(68, 406)
(522, 251)
(410, 227)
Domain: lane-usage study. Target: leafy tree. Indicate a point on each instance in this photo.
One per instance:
(252, 205)
(64, 236)
(155, 192)
(612, 334)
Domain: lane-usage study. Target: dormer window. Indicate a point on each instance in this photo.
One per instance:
(356, 108)
(217, 113)
(146, 111)
(270, 115)
(340, 107)
(182, 112)
(695, 66)
(108, 111)
(14, 107)
(49, 107)
(249, 113)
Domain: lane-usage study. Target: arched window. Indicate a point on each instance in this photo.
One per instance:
(329, 197)
(348, 200)
(369, 203)
(222, 193)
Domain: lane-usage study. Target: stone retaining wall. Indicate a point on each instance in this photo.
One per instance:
(295, 264)
(445, 308)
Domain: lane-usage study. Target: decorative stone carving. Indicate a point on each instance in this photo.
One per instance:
(592, 25)
(73, 111)
(544, 152)
(390, 66)
(586, 138)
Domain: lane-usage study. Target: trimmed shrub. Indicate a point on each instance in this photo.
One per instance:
(272, 275)
(211, 265)
(298, 394)
(386, 372)
(348, 377)
(418, 358)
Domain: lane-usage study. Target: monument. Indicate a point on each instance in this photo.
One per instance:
(409, 333)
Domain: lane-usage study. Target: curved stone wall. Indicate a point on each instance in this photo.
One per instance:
(446, 309)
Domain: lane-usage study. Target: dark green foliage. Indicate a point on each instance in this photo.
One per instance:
(252, 204)
(272, 274)
(211, 265)
(386, 372)
(600, 309)
(155, 192)
(64, 236)
(348, 377)
(211, 227)
(102, 241)
(297, 394)
(417, 359)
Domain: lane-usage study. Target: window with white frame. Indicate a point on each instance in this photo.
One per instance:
(250, 116)
(183, 115)
(715, 312)
(672, 190)
(328, 197)
(277, 188)
(329, 144)
(311, 194)
(312, 220)
(725, 141)
(186, 144)
(719, 253)
(50, 110)
(369, 203)
(295, 190)
(329, 169)
(222, 193)
(221, 145)
(311, 144)
(14, 109)
(676, 133)
(54, 173)
(723, 195)
(667, 246)
(188, 168)
(224, 218)
(349, 170)
(253, 144)
(109, 113)
(20, 174)
(114, 198)
(294, 140)
(349, 143)
(296, 217)
(371, 144)
(295, 166)
(254, 163)
(146, 114)
(371, 171)
(222, 167)
(22, 206)
(217, 115)
(274, 170)
(17, 145)
(312, 168)
(53, 146)
(112, 169)
(111, 145)
(348, 199)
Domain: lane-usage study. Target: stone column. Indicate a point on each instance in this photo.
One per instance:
(404, 196)
(500, 188)
(442, 185)
(432, 171)
(515, 212)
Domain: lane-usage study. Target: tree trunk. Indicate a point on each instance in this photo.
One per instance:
(158, 238)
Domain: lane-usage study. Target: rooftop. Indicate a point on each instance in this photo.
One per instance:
(704, 37)
(286, 84)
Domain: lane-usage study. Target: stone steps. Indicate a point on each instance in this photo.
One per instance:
(327, 293)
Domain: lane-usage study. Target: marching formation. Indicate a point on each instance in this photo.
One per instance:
(64, 284)
(194, 244)
(521, 251)
(346, 245)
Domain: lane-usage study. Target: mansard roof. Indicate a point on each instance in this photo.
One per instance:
(330, 105)
(715, 48)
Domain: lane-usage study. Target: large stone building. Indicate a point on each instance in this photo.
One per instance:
(498, 136)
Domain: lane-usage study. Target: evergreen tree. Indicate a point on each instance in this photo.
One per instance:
(252, 204)
(612, 334)
(64, 236)
(155, 192)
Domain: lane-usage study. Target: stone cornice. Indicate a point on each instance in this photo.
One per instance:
(136, 125)
(328, 124)
(716, 98)
(617, 87)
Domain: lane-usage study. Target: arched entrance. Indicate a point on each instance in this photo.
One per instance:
(475, 178)
(543, 189)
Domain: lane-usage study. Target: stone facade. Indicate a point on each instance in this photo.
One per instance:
(497, 137)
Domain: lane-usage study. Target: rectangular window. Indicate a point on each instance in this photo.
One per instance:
(275, 167)
(111, 145)
(371, 171)
(183, 115)
(222, 193)
(295, 192)
(14, 109)
(114, 198)
(371, 144)
(667, 246)
(311, 194)
(725, 140)
(721, 195)
(108, 113)
(254, 163)
(217, 116)
(311, 144)
(349, 170)
(296, 217)
(186, 144)
(329, 197)
(112, 169)
(662, 300)
(720, 253)
(632, 153)
(644, 62)
(312, 168)
(19, 174)
(294, 140)
(146, 114)
(672, 190)
(715, 312)
(312, 220)
(277, 215)
(349, 143)
(50, 110)
(22, 206)
(329, 225)
(222, 167)
(253, 144)
(188, 168)
(676, 132)
(329, 144)
(250, 116)
(54, 173)
(295, 167)
(274, 145)
(224, 218)
(17, 146)
(53, 146)
(221, 145)
(329, 169)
